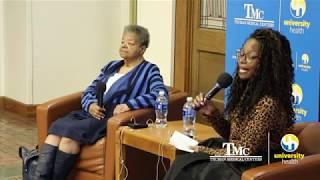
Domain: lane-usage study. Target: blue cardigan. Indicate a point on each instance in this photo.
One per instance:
(138, 88)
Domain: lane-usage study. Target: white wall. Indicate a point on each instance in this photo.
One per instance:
(158, 16)
(58, 47)
(52, 48)
(72, 42)
(1, 49)
(15, 42)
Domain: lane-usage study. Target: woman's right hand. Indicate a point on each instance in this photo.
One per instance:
(206, 107)
(96, 111)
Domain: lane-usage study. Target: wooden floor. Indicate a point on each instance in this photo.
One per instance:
(15, 131)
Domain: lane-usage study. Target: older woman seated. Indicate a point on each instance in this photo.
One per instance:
(131, 83)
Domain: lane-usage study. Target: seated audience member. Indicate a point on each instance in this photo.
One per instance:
(259, 102)
(131, 83)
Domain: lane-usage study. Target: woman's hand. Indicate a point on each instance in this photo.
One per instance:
(195, 148)
(199, 101)
(120, 108)
(96, 111)
(206, 107)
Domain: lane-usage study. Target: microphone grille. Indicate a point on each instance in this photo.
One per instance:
(224, 80)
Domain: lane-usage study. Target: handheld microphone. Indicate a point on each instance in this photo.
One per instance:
(224, 80)
(100, 89)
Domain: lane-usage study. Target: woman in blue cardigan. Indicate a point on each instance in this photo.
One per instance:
(131, 83)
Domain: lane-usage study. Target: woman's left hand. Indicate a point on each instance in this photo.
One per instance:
(195, 148)
(205, 107)
(120, 108)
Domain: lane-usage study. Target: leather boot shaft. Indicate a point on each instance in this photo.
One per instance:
(63, 165)
(46, 160)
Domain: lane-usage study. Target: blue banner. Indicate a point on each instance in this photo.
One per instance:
(297, 20)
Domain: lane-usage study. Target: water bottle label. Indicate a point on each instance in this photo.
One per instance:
(188, 113)
(161, 107)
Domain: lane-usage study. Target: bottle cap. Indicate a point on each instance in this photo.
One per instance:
(161, 93)
(189, 99)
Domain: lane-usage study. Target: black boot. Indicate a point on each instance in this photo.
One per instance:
(63, 165)
(46, 159)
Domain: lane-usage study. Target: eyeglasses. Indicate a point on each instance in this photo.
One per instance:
(248, 57)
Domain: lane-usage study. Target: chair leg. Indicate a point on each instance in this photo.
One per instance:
(63, 165)
(46, 159)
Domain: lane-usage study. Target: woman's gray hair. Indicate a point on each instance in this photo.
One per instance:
(141, 32)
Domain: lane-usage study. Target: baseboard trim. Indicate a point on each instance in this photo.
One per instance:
(25, 110)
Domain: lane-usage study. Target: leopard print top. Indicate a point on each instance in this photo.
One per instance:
(252, 131)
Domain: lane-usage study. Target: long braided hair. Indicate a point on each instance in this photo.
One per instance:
(274, 77)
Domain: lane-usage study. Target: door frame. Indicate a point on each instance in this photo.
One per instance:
(183, 45)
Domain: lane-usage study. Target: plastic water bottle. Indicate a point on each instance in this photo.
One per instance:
(189, 118)
(161, 108)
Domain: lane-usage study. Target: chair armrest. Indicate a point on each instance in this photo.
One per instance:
(140, 115)
(307, 168)
(49, 111)
(122, 119)
(176, 102)
(299, 127)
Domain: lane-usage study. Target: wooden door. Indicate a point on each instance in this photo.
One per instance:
(199, 50)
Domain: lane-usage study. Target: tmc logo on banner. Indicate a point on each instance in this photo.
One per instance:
(233, 150)
(254, 16)
(298, 8)
(253, 13)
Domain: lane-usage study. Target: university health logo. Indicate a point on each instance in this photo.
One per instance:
(297, 25)
(305, 65)
(297, 94)
(305, 58)
(298, 8)
(289, 142)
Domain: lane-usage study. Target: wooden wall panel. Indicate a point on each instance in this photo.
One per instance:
(210, 67)
(1, 102)
(25, 110)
